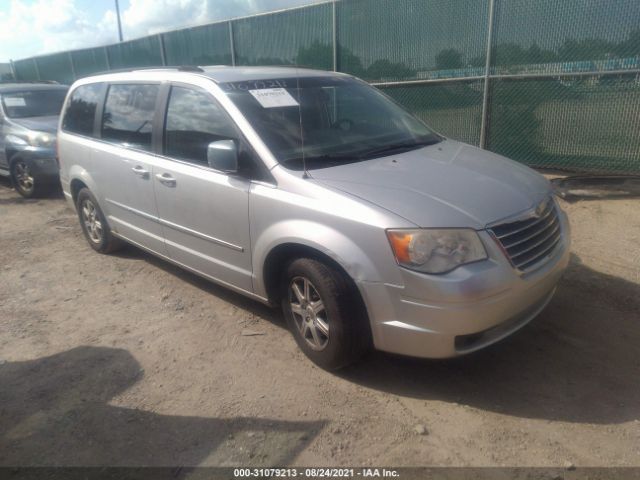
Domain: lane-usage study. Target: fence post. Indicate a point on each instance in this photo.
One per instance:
(334, 19)
(163, 53)
(106, 57)
(232, 45)
(35, 64)
(484, 131)
(73, 68)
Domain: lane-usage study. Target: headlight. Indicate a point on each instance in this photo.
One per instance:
(41, 139)
(35, 139)
(436, 250)
(15, 140)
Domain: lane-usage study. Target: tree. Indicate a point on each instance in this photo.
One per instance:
(585, 49)
(386, 69)
(449, 59)
(320, 55)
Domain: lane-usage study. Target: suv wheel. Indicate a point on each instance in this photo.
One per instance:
(24, 181)
(323, 313)
(94, 225)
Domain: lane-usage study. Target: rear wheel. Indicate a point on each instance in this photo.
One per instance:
(25, 182)
(324, 313)
(94, 225)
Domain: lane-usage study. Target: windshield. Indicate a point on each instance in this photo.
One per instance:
(333, 120)
(33, 103)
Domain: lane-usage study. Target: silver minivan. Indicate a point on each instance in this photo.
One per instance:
(315, 191)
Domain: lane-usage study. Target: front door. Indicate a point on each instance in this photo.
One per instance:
(204, 213)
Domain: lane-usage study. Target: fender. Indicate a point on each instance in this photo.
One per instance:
(329, 241)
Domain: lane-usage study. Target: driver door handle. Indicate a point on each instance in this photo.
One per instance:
(140, 171)
(166, 179)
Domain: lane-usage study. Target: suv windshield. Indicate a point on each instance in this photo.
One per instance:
(333, 120)
(33, 103)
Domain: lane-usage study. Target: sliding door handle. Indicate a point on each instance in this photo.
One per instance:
(166, 179)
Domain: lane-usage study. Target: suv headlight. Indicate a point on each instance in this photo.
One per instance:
(35, 139)
(436, 250)
(41, 139)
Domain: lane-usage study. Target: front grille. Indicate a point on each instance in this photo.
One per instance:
(529, 240)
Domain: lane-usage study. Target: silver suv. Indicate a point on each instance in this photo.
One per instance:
(317, 192)
(28, 122)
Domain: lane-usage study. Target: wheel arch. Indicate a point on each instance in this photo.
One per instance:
(75, 186)
(79, 178)
(281, 255)
(277, 259)
(12, 156)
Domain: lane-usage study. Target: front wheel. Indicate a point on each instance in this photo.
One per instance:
(324, 313)
(25, 182)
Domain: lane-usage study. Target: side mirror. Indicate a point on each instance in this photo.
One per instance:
(223, 155)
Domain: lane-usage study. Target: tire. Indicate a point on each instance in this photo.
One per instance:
(25, 183)
(335, 336)
(94, 225)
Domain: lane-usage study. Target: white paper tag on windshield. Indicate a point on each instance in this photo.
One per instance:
(274, 97)
(14, 102)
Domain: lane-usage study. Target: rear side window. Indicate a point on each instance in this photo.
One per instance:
(194, 120)
(128, 115)
(81, 110)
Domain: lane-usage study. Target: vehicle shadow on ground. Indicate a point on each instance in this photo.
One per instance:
(579, 361)
(15, 198)
(55, 411)
(258, 309)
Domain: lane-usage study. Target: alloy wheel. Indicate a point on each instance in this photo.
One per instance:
(92, 221)
(309, 313)
(23, 177)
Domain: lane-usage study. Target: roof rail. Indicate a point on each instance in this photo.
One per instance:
(47, 82)
(182, 68)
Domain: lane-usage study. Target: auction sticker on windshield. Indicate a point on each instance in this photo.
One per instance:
(15, 102)
(274, 97)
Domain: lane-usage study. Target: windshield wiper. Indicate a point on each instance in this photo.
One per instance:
(397, 146)
(328, 159)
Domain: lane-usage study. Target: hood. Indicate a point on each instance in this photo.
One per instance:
(449, 184)
(40, 124)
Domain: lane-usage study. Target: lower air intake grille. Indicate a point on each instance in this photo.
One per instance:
(532, 238)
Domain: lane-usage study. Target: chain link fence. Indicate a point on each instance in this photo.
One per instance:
(550, 83)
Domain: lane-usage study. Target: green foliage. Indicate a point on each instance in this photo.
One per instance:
(449, 58)
(385, 69)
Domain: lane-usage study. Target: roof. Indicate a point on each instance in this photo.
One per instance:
(217, 73)
(20, 87)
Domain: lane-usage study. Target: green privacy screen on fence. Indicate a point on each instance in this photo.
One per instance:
(454, 108)
(562, 83)
(206, 45)
(87, 62)
(300, 36)
(26, 70)
(383, 40)
(143, 52)
(57, 66)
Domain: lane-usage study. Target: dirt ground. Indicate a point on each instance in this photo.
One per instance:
(126, 360)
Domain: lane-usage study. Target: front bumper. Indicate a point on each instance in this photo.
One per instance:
(42, 163)
(440, 316)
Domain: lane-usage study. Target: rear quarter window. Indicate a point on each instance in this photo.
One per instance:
(81, 109)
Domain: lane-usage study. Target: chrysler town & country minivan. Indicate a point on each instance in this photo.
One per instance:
(314, 191)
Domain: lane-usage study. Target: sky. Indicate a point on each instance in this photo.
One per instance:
(35, 27)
